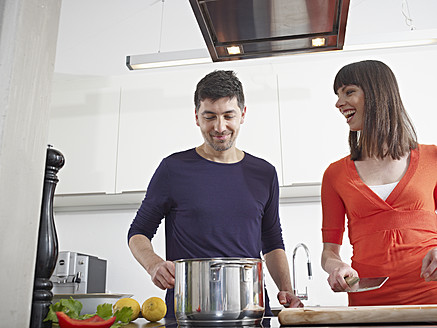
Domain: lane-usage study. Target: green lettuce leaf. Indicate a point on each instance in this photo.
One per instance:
(104, 311)
(124, 314)
(69, 306)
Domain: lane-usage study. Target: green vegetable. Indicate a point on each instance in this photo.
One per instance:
(124, 314)
(72, 308)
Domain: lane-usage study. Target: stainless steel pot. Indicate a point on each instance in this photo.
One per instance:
(219, 291)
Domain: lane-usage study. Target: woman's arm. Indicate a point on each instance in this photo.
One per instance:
(336, 268)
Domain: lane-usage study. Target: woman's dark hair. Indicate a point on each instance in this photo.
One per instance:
(219, 84)
(387, 129)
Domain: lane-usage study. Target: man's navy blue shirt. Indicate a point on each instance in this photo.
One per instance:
(212, 209)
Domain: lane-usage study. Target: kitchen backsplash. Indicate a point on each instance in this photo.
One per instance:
(103, 234)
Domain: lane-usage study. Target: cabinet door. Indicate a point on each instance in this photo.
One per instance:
(260, 134)
(314, 134)
(83, 126)
(417, 82)
(158, 118)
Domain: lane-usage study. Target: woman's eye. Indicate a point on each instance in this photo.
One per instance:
(348, 92)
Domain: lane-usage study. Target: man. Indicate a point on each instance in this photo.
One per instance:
(217, 200)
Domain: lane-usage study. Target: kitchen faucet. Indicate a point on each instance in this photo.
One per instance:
(310, 275)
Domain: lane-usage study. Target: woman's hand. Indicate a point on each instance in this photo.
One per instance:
(429, 265)
(337, 269)
(336, 277)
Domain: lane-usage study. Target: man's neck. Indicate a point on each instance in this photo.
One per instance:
(232, 155)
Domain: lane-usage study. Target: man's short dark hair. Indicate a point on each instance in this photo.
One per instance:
(219, 84)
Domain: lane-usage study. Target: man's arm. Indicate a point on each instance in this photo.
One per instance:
(162, 272)
(277, 264)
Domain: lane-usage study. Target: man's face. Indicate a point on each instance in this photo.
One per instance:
(219, 122)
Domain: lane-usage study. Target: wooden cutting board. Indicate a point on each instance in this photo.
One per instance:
(358, 314)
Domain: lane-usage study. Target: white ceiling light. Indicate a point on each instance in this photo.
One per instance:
(166, 59)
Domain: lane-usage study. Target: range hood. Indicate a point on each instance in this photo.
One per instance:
(264, 28)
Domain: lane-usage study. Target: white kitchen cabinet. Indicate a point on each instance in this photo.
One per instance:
(314, 134)
(83, 126)
(416, 72)
(115, 131)
(157, 118)
(260, 133)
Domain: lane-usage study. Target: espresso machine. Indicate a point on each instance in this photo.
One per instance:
(77, 273)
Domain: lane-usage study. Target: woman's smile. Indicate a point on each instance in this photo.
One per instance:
(351, 105)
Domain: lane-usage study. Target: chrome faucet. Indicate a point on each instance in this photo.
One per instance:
(303, 296)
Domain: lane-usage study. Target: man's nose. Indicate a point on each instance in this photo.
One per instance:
(220, 125)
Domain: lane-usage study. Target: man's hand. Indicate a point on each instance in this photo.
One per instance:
(336, 278)
(429, 265)
(163, 274)
(288, 299)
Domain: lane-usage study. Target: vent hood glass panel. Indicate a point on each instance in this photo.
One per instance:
(264, 28)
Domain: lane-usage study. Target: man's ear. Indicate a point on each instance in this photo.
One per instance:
(196, 116)
(243, 115)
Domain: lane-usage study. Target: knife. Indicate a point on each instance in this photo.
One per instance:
(363, 284)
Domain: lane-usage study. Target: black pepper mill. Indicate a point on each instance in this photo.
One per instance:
(47, 253)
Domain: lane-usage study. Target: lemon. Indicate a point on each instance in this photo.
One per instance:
(154, 309)
(128, 302)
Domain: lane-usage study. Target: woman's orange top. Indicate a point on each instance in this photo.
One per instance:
(391, 237)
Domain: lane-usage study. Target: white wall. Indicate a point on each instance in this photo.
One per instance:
(103, 234)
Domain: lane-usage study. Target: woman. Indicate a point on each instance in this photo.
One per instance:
(387, 188)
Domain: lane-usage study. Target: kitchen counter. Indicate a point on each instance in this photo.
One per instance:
(271, 322)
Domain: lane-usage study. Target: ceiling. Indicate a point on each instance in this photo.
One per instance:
(96, 36)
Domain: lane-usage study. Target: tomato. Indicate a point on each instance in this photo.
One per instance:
(66, 322)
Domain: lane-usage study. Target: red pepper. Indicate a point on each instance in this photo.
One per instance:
(95, 318)
(66, 322)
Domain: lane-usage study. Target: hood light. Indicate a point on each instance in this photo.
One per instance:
(318, 42)
(234, 50)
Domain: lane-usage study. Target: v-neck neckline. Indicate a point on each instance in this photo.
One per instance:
(365, 189)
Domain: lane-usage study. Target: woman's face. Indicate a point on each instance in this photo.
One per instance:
(351, 104)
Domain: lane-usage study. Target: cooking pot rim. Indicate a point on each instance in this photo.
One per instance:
(221, 259)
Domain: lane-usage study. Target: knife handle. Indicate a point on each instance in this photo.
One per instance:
(351, 280)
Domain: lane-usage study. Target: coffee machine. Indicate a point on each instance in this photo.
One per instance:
(77, 273)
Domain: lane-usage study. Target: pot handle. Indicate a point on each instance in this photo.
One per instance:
(216, 268)
(233, 263)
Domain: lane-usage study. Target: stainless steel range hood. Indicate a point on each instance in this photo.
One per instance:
(264, 28)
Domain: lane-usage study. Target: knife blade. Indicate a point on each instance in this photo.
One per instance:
(364, 284)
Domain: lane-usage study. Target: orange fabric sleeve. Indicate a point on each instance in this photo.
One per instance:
(333, 209)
